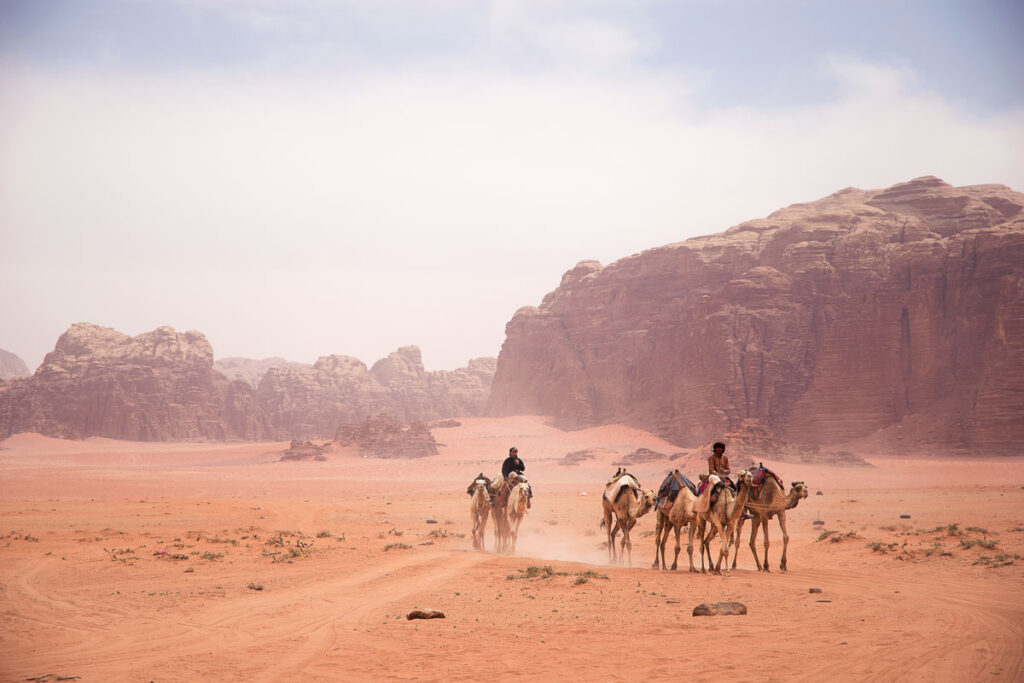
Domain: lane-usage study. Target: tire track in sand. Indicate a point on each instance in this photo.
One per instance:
(284, 620)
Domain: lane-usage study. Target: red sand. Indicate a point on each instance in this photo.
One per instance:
(343, 550)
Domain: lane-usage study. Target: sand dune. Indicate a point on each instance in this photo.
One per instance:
(175, 562)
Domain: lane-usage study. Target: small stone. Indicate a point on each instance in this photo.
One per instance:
(824, 601)
(904, 516)
(425, 614)
(818, 522)
(814, 590)
(819, 493)
(710, 609)
(431, 521)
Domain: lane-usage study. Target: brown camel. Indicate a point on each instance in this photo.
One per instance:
(515, 510)
(479, 509)
(721, 520)
(500, 512)
(771, 502)
(626, 501)
(681, 514)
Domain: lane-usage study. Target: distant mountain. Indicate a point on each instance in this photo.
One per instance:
(11, 366)
(895, 315)
(252, 371)
(164, 385)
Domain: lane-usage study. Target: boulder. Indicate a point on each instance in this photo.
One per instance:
(381, 436)
(711, 609)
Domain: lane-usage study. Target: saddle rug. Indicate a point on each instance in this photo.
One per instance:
(760, 476)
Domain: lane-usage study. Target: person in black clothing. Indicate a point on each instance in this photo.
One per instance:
(512, 463)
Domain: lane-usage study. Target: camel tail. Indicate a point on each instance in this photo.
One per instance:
(602, 522)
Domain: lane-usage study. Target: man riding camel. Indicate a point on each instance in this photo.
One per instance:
(513, 463)
(718, 464)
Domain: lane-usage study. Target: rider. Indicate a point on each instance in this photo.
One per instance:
(513, 463)
(718, 464)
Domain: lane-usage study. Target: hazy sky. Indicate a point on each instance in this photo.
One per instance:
(304, 177)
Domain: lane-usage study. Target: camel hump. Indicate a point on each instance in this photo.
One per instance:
(761, 474)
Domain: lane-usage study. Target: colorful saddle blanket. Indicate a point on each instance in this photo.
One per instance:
(760, 476)
(671, 487)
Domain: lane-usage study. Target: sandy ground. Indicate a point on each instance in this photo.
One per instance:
(182, 562)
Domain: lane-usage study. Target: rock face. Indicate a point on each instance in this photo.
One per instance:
(895, 314)
(381, 436)
(163, 385)
(304, 403)
(251, 371)
(11, 366)
(159, 385)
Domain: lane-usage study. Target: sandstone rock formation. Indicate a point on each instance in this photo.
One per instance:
(251, 371)
(381, 436)
(896, 314)
(163, 385)
(157, 386)
(305, 450)
(309, 402)
(11, 366)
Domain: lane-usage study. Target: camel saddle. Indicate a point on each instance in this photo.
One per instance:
(760, 475)
(707, 493)
(500, 498)
(670, 488)
(480, 478)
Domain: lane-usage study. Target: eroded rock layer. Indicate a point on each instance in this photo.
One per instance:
(11, 366)
(897, 314)
(156, 386)
(162, 385)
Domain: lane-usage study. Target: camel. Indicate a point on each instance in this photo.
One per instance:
(772, 502)
(681, 514)
(500, 505)
(721, 520)
(515, 510)
(479, 509)
(625, 500)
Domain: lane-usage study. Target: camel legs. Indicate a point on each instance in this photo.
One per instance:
(500, 530)
(612, 530)
(677, 528)
(483, 526)
(717, 529)
(785, 542)
(660, 537)
(739, 532)
(689, 544)
(475, 518)
(513, 532)
(627, 544)
(762, 523)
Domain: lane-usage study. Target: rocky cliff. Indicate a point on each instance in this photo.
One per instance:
(11, 366)
(163, 385)
(896, 314)
(306, 402)
(159, 385)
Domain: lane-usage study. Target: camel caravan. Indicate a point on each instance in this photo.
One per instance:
(715, 507)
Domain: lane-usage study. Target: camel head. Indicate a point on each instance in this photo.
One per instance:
(799, 489)
(646, 503)
(744, 477)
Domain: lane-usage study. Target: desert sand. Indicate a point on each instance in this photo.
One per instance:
(126, 561)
